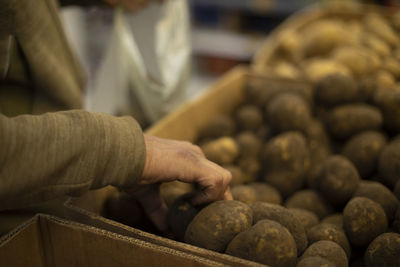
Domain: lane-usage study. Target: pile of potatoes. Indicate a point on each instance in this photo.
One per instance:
(363, 45)
(316, 177)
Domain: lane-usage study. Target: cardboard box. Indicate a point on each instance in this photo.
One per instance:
(49, 241)
(183, 124)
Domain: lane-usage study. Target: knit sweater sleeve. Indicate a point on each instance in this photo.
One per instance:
(66, 153)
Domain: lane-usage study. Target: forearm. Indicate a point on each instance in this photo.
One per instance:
(66, 153)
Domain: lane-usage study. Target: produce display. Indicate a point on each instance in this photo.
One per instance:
(315, 165)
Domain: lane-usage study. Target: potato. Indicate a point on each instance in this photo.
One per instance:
(266, 193)
(363, 150)
(320, 37)
(376, 44)
(367, 87)
(248, 117)
(337, 179)
(218, 223)
(379, 26)
(223, 150)
(359, 60)
(389, 164)
(347, 120)
(396, 221)
(219, 126)
(172, 190)
(315, 261)
(363, 220)
(249, 144)
(326, 231)
(336, 219)
(264, 210)
(318, 68)
(286, 161)
(288, 112)
(264, 132)
(384, 251)
(267, 242)
(385, 79)
(336, 89)
(244, 193)
(307, 218)
(392, 65)
(259, 92)
(250, 167)
(309, 200)
(328, 250)
(319, 146)
(180, 214)
(238, 177)
(381, 195)
(396, 190)
(388, 99)
(290, 45)
(286, 70)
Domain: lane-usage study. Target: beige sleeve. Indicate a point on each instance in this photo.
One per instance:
(66, 153)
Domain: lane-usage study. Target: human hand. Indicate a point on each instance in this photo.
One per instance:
(131, 5)
(169, 160)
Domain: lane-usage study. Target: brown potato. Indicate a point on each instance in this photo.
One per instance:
(336, 89)
(315, 261)
(388, 164)
(363, 150)
(249, 144)
(320, 37)
(221, 125)
(387, 99)
(180, 214)
(396, 221)
(347, 120)
(363, 220)
(337, 180)
(238, 177)
(288, 112)
(248, 117)
(259, 92)
(318, 68)
(307, 218)
(367, 87)
(286, 161)
(223, 150)
(264, 210)
(244, 193)
(376, 24)
(217, 224)
(309, 200)
(267, 242)
(359, 60)
(254, 192)
(336, 219)
(396, 190)
(381, 195)
(326, 231)
(328, 250)
(384, 251)
(250, 167)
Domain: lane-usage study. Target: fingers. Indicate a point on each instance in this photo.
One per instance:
(154, 206)
(214, 187)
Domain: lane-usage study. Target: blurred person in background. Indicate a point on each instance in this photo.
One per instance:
(52, 153)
